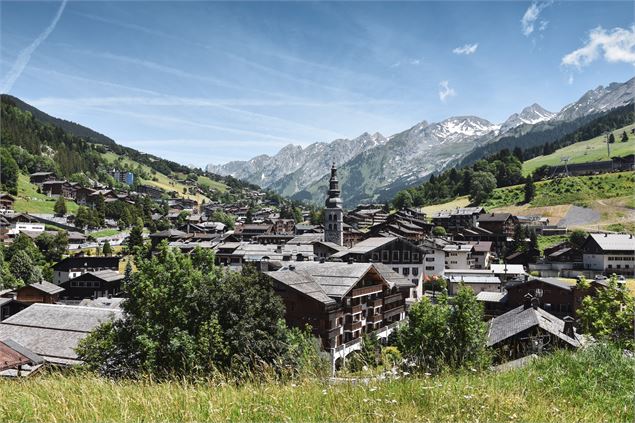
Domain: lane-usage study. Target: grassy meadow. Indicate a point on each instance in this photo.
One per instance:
(590, 386)
(29, 200)
(585, 151)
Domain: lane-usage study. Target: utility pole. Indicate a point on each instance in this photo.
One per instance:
(608, 145)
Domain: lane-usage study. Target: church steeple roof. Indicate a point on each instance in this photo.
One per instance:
(333, 199)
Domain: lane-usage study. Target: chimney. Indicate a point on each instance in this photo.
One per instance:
(350, 260)
(527, 300)
(568, 326)
(322, 260)
(291, 267)
(534, 303)
(109, 296)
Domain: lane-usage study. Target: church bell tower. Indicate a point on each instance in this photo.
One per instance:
(333, 213)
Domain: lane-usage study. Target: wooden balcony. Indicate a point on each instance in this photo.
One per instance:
(392, 298)
(334, 331)
(375, 303)
(353, 326)
(367, 290)
(393, 311)
(353, 309)
(375, 318)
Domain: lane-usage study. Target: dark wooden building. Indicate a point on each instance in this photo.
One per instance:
(40, 292)
(102, 283)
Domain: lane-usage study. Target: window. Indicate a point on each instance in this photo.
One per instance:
(415, 257)
(406, 256)
(415, 271)
(429, 267)
(405, 271)
(375, 256)
(395, 269)
(429, 259)
(384, 255)
(395, 256)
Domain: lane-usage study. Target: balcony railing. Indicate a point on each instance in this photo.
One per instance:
(375, 318)
(354, 309)
(392, 298)
(367, 290)
(393, 311)
(353, 326)
(375, 303)
(334, 331)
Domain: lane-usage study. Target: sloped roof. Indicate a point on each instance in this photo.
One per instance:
(329, 281)
(508, 268)
(494, 217)
(520, 319)
(366, 246)
(46, 287)
(104, 275)
(54, 331)
(492, 297)
(614, 242)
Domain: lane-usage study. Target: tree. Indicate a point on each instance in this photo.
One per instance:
(448, 333)
(624, 136)
(60, 206)
(530, 190)
(483, 185)
(297, 215)
(185, 316)
(611, 138)
(249, 216)
(8, 172)
(22, 268)
(402, 200)
(577, 238)
(439, 231)
(52, 247)
(608, 315)
(82, 217)
(135, 238)
(106, 248)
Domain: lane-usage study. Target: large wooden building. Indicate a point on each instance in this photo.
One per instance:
(341, 301)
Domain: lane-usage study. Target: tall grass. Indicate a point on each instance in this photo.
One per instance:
(594, 385)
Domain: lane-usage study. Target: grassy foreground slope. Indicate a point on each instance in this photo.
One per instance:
(585, 151)
(590, 386)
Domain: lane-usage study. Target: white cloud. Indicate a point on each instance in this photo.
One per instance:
(25, 55)
(531, 16)
(445, 91)
(466, 49)
(615, 45)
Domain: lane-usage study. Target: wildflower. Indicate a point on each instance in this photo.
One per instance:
(323, 391)
(468, 396)
(373, 389)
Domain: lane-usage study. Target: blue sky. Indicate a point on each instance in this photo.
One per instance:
(209, 82)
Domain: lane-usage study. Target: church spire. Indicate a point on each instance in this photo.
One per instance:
(333, 199)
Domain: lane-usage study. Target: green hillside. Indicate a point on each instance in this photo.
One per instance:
(592, 385)
(585, 151)
(29, 200)
(571, 190)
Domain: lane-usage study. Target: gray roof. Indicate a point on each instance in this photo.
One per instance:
(614, 242)
(54, 331)
(47, 287)
(107, 275)
(520, 319)
(103, 302)
(329, 281)
(474, 279)
(366, 246)
(492, 297)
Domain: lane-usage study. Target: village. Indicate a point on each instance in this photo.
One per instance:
(354, 275)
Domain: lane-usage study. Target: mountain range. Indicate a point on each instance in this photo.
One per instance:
(372, 168)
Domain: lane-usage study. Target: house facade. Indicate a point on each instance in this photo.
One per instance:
(609, 253)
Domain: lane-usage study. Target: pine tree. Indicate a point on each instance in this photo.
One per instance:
(624, 136)
(106, 248)
(60, 206)
(611, 138)
(530, 190)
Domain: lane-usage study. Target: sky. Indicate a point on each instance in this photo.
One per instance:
(210, 82)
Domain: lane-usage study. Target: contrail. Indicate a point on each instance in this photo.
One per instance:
(25, 55)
